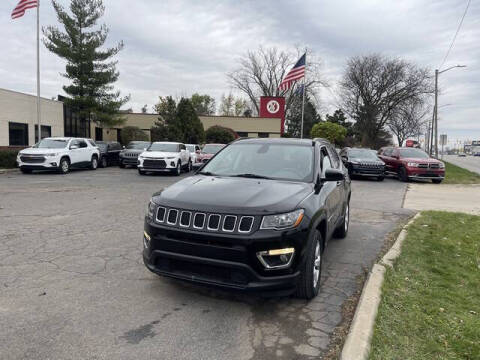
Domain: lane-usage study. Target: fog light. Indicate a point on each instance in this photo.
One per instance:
(276, 259)
(53, 164)
(172, 163)
(146, 240)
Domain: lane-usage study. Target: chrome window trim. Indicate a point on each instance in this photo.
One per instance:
(189, 219)
(234, 223)
(219, 221)
(203, 223)
(164, 214)
(251, 225)
(176, 217)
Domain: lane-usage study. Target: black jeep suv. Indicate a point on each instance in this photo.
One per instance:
(257, 217)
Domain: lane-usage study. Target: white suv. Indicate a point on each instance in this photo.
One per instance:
(59, 154)
(165, 156)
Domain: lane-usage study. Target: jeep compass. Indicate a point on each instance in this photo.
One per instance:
(256, 217)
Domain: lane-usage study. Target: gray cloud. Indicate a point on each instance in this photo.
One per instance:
(179, 47)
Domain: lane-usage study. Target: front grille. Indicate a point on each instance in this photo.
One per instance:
(131, 155)
(434, 166)
(205, 221)
(32, 159)
(423, 166)
(370, 166)
(154, 164)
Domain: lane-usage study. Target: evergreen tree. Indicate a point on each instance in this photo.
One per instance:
(294, 118)
(90, 69)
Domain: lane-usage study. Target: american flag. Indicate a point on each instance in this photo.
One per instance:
(297, 72)
(23, 5)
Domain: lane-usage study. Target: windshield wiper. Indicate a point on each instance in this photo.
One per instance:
(252, 176)
(207, 173)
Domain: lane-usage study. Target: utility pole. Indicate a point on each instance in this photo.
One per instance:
(435, 116)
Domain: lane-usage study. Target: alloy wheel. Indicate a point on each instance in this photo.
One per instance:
(316, 265)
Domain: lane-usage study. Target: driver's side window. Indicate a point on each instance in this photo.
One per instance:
(326, 163)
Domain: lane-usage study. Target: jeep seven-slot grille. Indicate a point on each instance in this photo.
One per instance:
(204, 221)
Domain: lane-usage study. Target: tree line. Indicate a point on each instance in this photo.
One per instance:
(379, 96)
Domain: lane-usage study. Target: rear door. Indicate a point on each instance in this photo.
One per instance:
(386, 156)
(75, 151)
(184, 154)
(85, 151)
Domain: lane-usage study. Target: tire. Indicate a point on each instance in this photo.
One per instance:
(402, 174)
(121, 164)
(437, 181)
(380, 178)
(103, 162)
(64, 166)
(189, 166)
(178, 170)
(342, 230)
(94, 163)
(141, 172)
(26, 171)
(308, 283)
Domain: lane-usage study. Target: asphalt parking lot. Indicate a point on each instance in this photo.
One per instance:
(73, 284)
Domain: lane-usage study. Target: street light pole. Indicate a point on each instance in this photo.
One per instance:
(435, 109)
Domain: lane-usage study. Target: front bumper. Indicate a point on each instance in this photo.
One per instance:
(227, 261)
(157, 165)
(424, 174)
(132, 161)
(367, 171)
(50, 163)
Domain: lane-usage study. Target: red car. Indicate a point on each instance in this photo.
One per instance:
(410, 163)
(207, 152)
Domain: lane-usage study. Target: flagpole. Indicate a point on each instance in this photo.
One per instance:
(303, 97)
(38, 72)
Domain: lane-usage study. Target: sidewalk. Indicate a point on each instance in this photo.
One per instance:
(457, 198)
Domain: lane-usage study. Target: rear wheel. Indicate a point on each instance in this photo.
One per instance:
(309, 281)
(437, 181)
(342, 230)
(402, 174)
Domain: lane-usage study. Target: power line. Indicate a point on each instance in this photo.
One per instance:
(456, 33)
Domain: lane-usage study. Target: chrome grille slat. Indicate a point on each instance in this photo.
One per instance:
(225, 219)
(172, 211)
(241, 221)
(182, 224)
(218, 224)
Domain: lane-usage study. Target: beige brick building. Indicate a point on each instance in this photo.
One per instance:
(18, 118)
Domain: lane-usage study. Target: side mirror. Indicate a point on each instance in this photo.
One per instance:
(344, 159)
(73, 147)
(333, 175)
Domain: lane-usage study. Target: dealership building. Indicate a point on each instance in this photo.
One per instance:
(18, 122)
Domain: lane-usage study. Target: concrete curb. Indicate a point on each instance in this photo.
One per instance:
(357, 345)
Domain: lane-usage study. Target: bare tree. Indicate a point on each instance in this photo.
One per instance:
(374, 87)
(260, 73)
(409, 119)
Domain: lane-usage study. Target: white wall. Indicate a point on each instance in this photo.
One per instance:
(22, 108)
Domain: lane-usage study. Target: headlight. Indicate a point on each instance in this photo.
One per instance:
(441, 166)
(282, 221)
(412, 164)
(151, 209)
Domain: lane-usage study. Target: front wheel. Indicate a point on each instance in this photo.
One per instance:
(122, 165)
(26, 171)
(309, 281)
(178, 170)
(141, 172)
(104, 162)
(437, 181)
(64, 167)
(189, 166)
(380, 178)
(94, 163)
(402, 174)
(342, 230)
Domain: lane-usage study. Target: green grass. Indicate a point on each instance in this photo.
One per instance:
(430, 307)
(458, 175)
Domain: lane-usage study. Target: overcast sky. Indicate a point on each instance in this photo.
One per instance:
(180, 47)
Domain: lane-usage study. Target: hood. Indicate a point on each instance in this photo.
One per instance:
(132, 151)
(366, 160)
(205, 156)
(423, 161)
(36, 151)
(234, 195)
(158, 154)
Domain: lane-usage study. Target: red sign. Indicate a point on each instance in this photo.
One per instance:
(273, 107)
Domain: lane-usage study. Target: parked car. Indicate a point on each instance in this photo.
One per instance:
(363, 162)
(412, 163)
(462, 154)
(208, 151)
(194, 150)
(165, 156)
(109, 153)
(59, 154)
(257, 217)
(129, 155)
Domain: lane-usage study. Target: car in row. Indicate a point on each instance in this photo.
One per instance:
(363, 162)
(281, 201)
(164, 157)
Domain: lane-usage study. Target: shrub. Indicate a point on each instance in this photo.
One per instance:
(219, 134)
(133, 133)
(328, 130)
(8, 158)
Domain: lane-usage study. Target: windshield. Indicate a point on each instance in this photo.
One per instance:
(362, 154)
(165, 147)
(138, 145)
(276, 161)
(51, 144)
(191, 148)
(413, 153)
(212, 149)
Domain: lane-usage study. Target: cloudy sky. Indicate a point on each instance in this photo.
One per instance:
(180, 47)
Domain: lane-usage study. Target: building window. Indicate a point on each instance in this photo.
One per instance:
(263, 135)
(46, 132)
(119, 135)
(18, 134)
(242, 134)
(98, 134)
